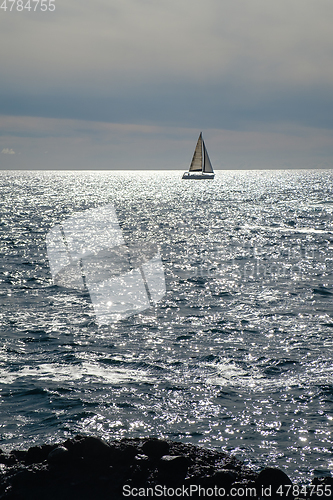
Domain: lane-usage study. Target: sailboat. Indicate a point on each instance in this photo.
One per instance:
(201, 167)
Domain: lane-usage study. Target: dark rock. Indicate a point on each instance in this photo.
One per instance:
(86, 468)
(19, 455)
(323, 488)
(95, 447)
(3, 457)
(28, 479)
(37, 454)
(171, 465)
(23, 477)
(90, 448)
(70, 443)
(126, 453)
(11, 459)
(58, 456)
(270, 480)
(224, 477)
(155, 448)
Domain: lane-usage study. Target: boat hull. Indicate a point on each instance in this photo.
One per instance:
(188, 175)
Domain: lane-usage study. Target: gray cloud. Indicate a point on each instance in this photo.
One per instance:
(220, 106)
(233, 65)
(49, 143)
(129, 42)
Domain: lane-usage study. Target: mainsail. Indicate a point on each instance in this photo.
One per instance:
(196, 165)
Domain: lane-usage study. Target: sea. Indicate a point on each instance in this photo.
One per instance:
(236, 356)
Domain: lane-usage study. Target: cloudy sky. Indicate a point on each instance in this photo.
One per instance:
(127, 84)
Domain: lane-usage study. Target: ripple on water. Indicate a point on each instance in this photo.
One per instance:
(238, 355)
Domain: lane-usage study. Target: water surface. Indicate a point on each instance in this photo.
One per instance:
(238, 354)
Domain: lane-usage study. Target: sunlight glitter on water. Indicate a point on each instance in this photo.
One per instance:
(238, 351)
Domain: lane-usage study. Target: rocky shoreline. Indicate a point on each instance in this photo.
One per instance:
(89, 468)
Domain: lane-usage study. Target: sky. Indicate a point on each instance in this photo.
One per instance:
(129, 84)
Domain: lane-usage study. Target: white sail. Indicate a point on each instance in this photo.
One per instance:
(207, 166)
(196, 164)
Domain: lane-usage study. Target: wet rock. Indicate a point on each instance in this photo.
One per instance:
(140, 458)
(58, 456)
(176, 466)
(270, 480)
(155, 448)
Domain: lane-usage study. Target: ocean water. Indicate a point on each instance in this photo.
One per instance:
(237, 355)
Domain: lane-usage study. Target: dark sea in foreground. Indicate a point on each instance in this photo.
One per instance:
(237, 356)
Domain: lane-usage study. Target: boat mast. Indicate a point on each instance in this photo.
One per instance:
(203, 157)
(202, 153)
